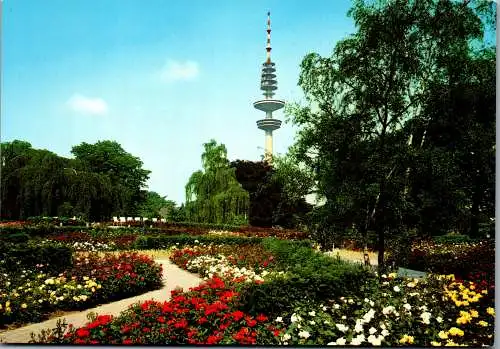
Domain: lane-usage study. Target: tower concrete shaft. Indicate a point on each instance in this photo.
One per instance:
(268, 84)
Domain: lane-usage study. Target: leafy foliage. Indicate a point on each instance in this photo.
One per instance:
(103, 180)
(399, 122)
(213, 195)
(276, 192)
(156, 206)
(160, 242)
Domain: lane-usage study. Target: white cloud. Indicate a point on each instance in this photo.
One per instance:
(174, 70)
(87, 105)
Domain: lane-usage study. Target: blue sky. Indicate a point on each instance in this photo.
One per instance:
(159, 77)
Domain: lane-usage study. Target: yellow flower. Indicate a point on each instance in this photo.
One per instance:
(0, 306)
(450, 343)
(474, 313)
(462, 321)
(443, 335)
(456, 332)
(490, 311)
(483, 323)
(406, 339)
(484, 291)
(24, 305)
(7, 304)
(436, 344)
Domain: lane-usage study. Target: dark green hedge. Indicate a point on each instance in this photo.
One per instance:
(314, 277)
(476, 258)
(15, 237)
(17, 256)
(55, 221)
(161, 241)
(41, 230)
(452, 239)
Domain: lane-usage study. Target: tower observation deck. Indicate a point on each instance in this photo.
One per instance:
(268, 84)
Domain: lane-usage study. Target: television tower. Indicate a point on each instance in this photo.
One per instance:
(268, 104)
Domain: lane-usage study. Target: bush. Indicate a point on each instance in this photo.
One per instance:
(55, 220)
(458, 259)
(310, 275)
(205, 315)
(15, 237)
(452, 239)
(15, 257)
(40, 230)
(160, 242)
(32, 295)
(120, 275)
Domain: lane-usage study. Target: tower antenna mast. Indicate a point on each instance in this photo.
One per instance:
(268, 84)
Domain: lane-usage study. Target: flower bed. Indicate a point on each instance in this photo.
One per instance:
(400, 312)
(205, 315)
(389, 311)
(164, 241)
(91, 280)
(473, 260)
(16, 224)
(434, 311)
(85, 241)
(249, 263)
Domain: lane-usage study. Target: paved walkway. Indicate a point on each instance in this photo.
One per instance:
(354, 256)
(173, 277)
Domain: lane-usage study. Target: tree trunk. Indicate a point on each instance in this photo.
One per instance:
(381, 199)
(380, 228)
(476, 198)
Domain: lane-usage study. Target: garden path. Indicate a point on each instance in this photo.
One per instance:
(354, 256)
(173, 277)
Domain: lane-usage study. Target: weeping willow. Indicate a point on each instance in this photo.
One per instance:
(213, 195)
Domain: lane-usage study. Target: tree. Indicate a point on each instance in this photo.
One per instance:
(213, 195)
(153, 205)
(123, 169)
(460, 129)
(99, 183)
(375, 83)
(264, 195)
(295, 182)
(276, 192)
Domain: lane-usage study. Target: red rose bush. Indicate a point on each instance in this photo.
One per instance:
(207, 314)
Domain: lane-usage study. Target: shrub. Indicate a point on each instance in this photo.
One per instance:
(120, 275)
(15, 237)
(160, 242)
(310, 275)
(205, 315)
(15, 257)
(451, 239)
(459, 259)
(33, 294)
(41, 230)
